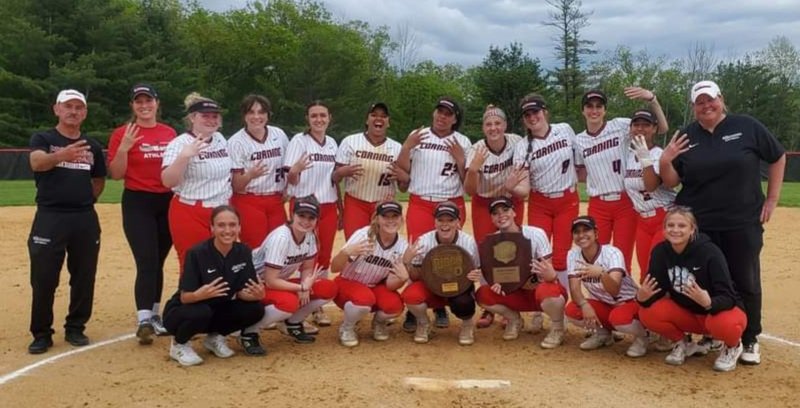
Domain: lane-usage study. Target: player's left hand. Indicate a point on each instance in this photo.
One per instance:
(475, 275)
(590, 316)
(639, 145)
(304, 297)
(589, 271)
(696, 293)
(130, 137)
(481, 153)
(397, 174)
(768, 209)
(399, 268)
(455, 150)
(354, 171)
(258, 170)
(638, 93)
(518, 175)
(496, 288)
(544, 269)
(252, 291)
(412, 251)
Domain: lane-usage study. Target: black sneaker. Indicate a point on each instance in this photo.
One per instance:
(251, 344)
(410, 324)
(145, 332)
(442, 319)
(300, 336)
(40, 345)
(76, 338)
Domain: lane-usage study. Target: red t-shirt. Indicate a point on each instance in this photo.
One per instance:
(144, 158)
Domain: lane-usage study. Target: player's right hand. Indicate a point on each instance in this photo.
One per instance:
(303, 163)
(192, 149)
(481, 153)
(648, 289)
(258, 170)
(74, 151)
(217, 288)
(359, 248)
(130, 137)
(677, 145)
(415, 137)
(351, 170)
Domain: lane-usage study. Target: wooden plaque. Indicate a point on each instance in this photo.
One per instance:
(445, 268)
(506, 259)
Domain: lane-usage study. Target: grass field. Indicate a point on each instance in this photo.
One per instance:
(23, 192)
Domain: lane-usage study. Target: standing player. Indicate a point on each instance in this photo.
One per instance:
(600, 270)
(70, 174)
(418, 298)
(372, 266)
(259, 177)
(135, 151)
(643, 185)
(196, 166)
(542, 293)
(601, 152)
(366, 160)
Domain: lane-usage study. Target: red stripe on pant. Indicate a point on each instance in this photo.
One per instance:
(357, 214)
(649, 232)
(670, 320)
(378, 297)
(419, 217)
(616, 219)
(610, 316)
(554, 216)
(521, 300)
(326, 231)
(259, 215)
(289, 302)
(482, 220)
(188, 225)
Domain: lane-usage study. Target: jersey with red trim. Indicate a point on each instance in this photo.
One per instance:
(375, 267)
(604, 155)
(280, 251)
(208, 174)
(551, 159)
(644, 201)
(246, 152)
(315, 180)
(497, 166)
(144, 158)
(428, 241)
(434, 172)
(374, 185)
(611, 259)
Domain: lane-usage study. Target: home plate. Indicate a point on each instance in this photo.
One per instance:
(437, 384)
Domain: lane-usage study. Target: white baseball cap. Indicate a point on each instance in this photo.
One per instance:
(709, 88)
(70, 94)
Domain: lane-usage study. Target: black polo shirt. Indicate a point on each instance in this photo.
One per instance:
(720, 175)
(67, 187)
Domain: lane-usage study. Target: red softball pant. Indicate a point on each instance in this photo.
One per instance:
(554, 216)
(649, 232)
(670, 320)
(462, 305)
(420, 219)
(378, 297)
(357, 214)
(482, 220)
(616, 219)
(610, 316)
(188, 225)
(326, 231)
(259, 215)
(521, 300)
(289, 302)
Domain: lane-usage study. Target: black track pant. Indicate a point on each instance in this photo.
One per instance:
(55, 235)
(144, 219)
(184, 321)
(463, 305)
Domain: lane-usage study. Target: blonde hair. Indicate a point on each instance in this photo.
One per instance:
(188, 101)
(685, 212)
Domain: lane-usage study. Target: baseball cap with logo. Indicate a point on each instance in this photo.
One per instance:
(306, 205)
(206, 106)
(709, 88)
(500, 202)
(534, 104)
(70, 94)
(379, 105)
(451, 105)
(143, 89)
(584, 220)
(594, 94)
(645, 115)
(447, 208)
(388, 207)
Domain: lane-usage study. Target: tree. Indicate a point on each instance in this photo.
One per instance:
(782, 58)
(407, 48)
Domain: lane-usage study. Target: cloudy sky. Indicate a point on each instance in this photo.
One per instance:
(461, 31)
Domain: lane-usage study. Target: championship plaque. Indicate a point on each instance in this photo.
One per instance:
(506, 259)
(445, 268)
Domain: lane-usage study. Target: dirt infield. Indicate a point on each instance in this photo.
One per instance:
(371, 375)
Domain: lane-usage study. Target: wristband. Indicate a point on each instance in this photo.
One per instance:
(646, 162)
(653, 98)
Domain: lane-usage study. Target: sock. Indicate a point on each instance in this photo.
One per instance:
(563, 279)
(271, 315)
(382, 316)
(156, 308)
(420, 311)
(502, 310)
(306, 310)
(635, 328)
(554, 308)
(353, 313)
(143, 315)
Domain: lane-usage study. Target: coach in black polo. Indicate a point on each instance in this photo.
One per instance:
(70, 171)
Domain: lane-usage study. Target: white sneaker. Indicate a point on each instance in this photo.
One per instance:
(184, 354)
(216, 344)
(751, 354)
(660, 343)
(553, 339)
(466, 336)
(423, 333)
(682, 349)
(348, 337)
(380, 329)
(711, 344)
(639, 347)
(537, 322)
(320, 318)
(596, 340)
(513, 326)
(158, 325)
(728, 357)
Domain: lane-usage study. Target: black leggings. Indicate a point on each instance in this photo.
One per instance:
(184, 321)
(144, 219)
(463, 305)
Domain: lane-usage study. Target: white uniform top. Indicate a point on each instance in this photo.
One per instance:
(208, 175)
(247, 151)
(643, 201)
(434, 172)
(497, 166)
(611, 259)
(551, 160)
(315, 180)
(373, 268)
(428, 241)
(280, 251)
(604, 156)
(374, 185)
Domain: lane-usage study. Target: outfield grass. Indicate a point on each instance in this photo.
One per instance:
(23, 192)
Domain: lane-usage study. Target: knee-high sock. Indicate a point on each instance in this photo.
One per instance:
(306, 310)
(383, 316)
(420, 311)
(554, 308)
(352, 314)
(563, 279)
(271, 315)
(502, 310)
(635, 328)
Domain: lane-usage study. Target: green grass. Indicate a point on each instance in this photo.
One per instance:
(22, 192)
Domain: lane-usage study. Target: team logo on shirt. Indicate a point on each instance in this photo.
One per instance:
(217, 154)
(432, 146)
(84, 161)
(266, 154)
(498, 167)
(319, 157)
(679, 276)
(600, 147)
(150, 151)
(735, 136)
(544, 151)
(379, 261)
(238, 267)
(296, 258)
(366, 155)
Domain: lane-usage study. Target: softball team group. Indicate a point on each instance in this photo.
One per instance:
(245, 268)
